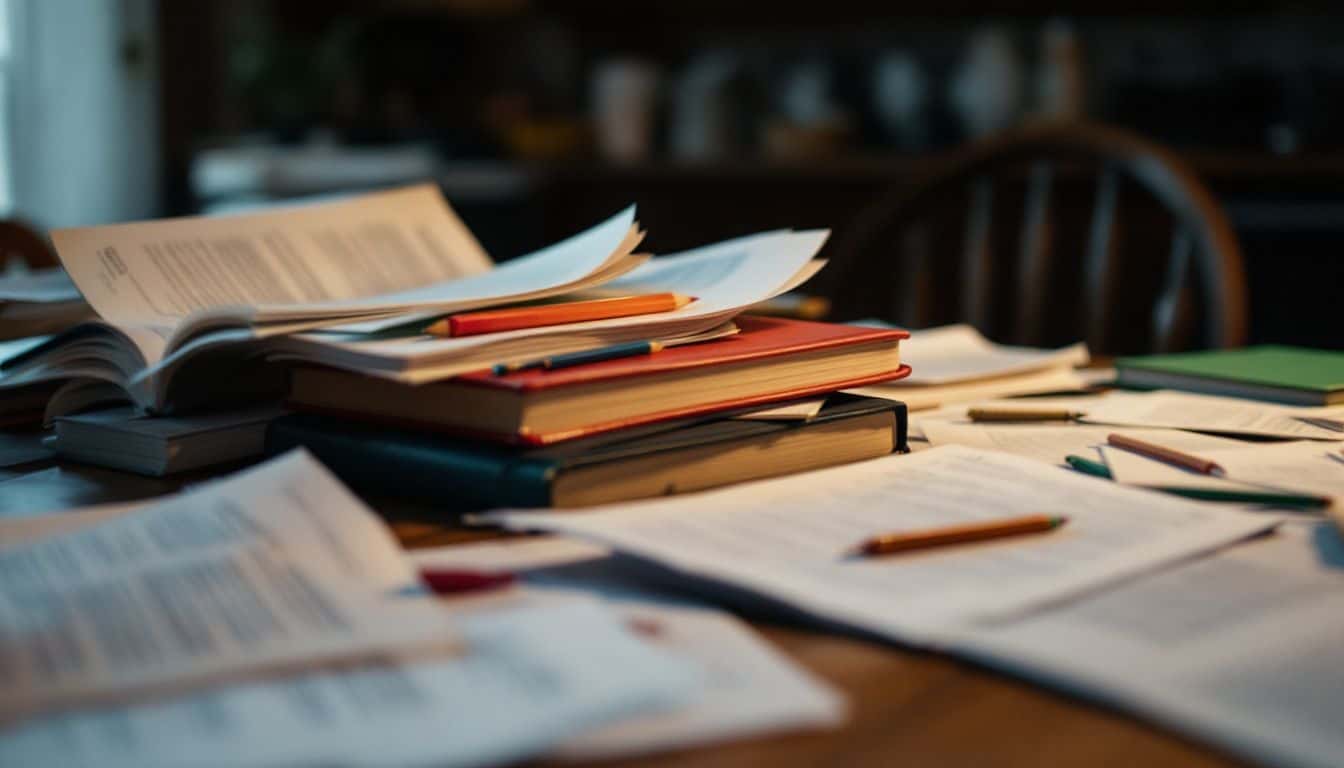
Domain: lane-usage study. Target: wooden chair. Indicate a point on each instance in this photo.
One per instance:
(1057, 231)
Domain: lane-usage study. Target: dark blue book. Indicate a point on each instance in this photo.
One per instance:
(465, 476)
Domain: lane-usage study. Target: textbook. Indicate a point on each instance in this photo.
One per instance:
(770, 360)
(467, 476)
(1293, 375)
(190, 304)
(163, 445)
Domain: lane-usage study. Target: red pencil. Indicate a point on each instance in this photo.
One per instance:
(515, 318)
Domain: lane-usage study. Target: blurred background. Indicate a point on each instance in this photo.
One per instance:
(539, 117)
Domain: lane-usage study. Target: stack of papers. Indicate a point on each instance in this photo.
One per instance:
(267, 619)
(955, 364)
(277, 569)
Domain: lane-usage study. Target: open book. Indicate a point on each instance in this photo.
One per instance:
(350, 284)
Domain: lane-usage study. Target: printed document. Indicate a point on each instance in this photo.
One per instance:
(1206, 413)
(276, 568)
(532, 675)
(790, 539)
(1241, 649)
(750, 688)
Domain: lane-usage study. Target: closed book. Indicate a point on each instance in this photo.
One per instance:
(464, 476)
(770, 360)
(1293, 375)
(163, 445)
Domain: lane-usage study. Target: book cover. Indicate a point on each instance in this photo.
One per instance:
(465, 475)
(1291, 374)
(760, 338)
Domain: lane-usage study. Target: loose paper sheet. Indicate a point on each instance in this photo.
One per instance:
(789, 538)
(724, 279)
(1050, 443)
(532, 675)
(804, 410)
(955, 354)
(1297, 467)
(750, 688)
(1179, 410)
(1132, 468)
(1241, 649)
(274, 568)
(926, 396)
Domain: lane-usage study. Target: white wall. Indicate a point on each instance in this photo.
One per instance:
(84, 125)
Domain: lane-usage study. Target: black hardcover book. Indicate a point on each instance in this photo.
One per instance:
(465, 476)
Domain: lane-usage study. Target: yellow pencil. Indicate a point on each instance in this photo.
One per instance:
(904, 541)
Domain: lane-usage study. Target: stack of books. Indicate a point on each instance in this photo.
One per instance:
(414, 366)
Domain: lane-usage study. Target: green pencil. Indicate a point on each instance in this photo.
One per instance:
(1277, 498)
(1088, 466)
(1281, 499)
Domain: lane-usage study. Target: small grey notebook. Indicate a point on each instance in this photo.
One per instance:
(163, 445)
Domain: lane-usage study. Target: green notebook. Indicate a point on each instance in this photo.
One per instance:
(1292, 375)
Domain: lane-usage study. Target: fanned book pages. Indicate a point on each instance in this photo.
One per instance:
(170, 354)
(208, 283)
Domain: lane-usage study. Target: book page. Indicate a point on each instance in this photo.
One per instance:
(532, 675)
(1207, 413)
(790, 539)
(159, 272)
(724, 278)
(1240, 648)
(275, 567)
(590, 258)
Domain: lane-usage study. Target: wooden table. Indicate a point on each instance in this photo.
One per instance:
(906, 707)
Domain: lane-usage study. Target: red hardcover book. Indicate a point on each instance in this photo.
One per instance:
(770, 360)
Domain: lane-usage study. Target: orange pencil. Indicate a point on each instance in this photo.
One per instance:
(904, 541)
(515, 318)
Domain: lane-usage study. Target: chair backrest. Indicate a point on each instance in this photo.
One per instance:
(1050, 233)
(20, 241)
